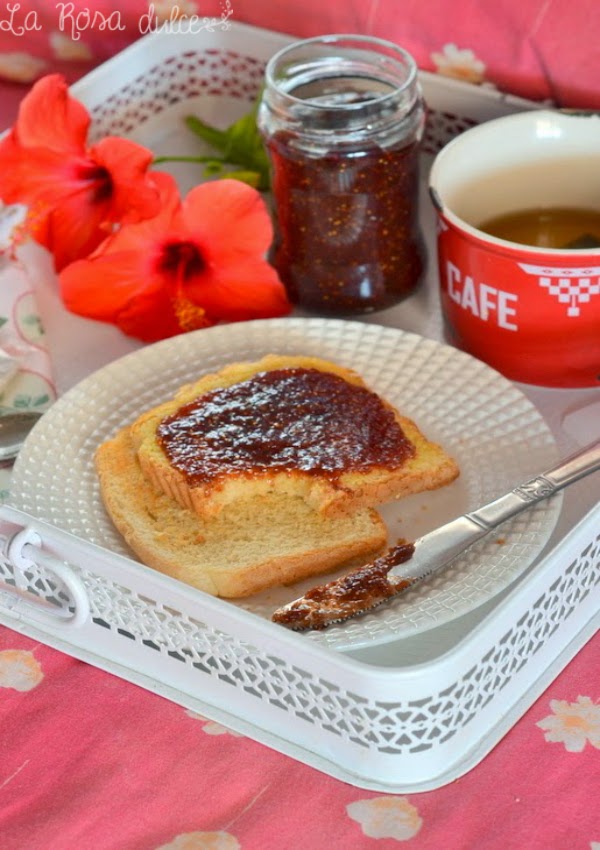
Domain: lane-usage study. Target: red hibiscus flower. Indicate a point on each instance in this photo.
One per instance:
(76, 194)
(199, 261)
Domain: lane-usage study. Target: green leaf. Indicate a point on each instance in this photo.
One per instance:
(252, 178)
(246, 147)
(216, 138)
(212, 168)
(160, 159)
(241, 146)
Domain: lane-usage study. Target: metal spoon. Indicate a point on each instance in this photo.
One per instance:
(14, 428)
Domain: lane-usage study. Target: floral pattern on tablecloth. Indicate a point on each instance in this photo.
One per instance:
(203, 841)
(19, 669)
(133, 771)
(90, 761)
(459, 64)
(574, 724)
(210, 727)
(386, 817)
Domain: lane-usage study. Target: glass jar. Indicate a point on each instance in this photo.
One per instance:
(342, 117)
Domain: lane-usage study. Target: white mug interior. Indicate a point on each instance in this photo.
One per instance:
(530, 160)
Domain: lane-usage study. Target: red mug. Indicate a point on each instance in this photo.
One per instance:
(531, 312)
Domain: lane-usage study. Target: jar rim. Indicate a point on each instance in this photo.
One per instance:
(395, 53)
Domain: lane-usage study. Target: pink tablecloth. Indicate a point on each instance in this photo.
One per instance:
(90, 761)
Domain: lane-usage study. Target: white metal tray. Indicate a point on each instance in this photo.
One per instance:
(404, 717)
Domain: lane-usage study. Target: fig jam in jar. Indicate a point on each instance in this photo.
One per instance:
(342, 118)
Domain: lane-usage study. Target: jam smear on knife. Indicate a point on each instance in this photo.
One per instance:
(346, 597)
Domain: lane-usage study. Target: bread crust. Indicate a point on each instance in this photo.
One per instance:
(430, 468)
(255, 544)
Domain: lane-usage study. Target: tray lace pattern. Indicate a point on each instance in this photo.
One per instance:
(217, 73)
(393, 728)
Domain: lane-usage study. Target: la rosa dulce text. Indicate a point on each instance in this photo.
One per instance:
(74, 21)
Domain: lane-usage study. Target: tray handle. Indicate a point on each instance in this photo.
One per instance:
(24, 551)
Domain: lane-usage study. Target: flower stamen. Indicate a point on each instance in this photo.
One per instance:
(189, 316)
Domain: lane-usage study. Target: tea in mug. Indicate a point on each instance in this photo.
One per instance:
(551, 227)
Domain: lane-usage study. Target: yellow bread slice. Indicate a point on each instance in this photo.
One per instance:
(255, 544)
(429, 468)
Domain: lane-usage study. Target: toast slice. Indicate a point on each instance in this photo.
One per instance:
(417, 464)
(252, 545)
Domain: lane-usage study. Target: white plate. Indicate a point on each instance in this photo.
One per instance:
(496, 435)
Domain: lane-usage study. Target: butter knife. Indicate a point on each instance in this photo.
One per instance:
(408, 563)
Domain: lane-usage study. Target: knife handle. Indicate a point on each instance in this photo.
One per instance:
(543, 486)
